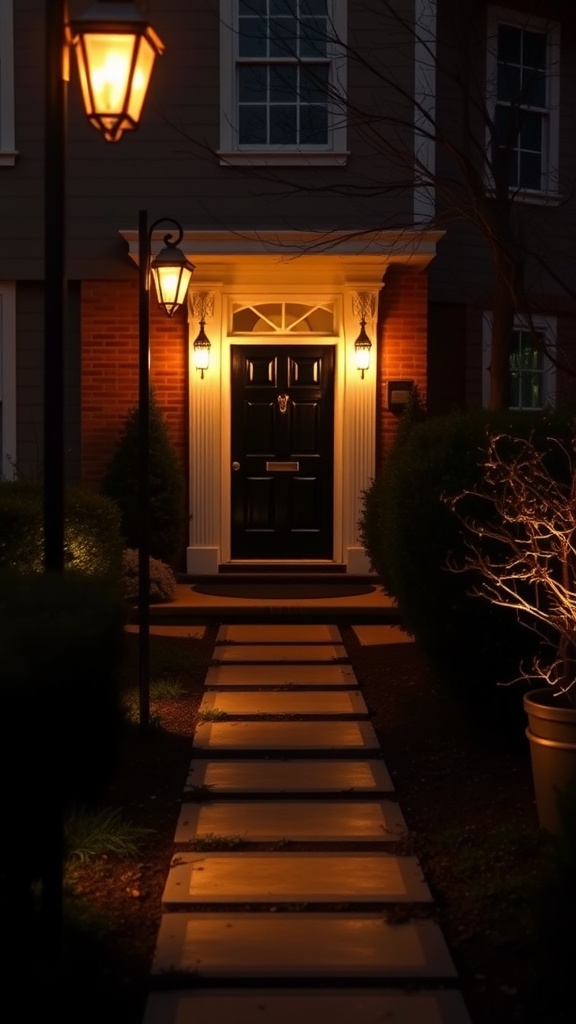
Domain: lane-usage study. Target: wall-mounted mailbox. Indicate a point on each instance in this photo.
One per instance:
(398, 393)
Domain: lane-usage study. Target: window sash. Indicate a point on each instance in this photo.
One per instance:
(526, 372)
(283, 72)
(523, 95)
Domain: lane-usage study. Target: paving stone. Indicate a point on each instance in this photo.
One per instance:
(278, 652)
(287, 702)
(330, 676)
(301, 945)
(307, 1006)
(336, 737)
(284, 633)
(293, 775)
(287, 877)
(328, 820)
(382, 634)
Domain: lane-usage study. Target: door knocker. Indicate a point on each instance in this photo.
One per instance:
(283, 403)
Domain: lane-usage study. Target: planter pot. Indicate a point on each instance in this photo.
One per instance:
(552, 735)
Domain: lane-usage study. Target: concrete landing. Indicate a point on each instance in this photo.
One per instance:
(313, 821)
(288, 877)
(274, 776)
(329, 676)
(337, 737)
(295, 945)
(306, 1006)
(279, 652)
(300, 702)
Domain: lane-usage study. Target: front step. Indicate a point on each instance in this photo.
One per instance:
(290, 568)
(280, 574)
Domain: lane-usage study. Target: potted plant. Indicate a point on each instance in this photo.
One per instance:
(520, 541)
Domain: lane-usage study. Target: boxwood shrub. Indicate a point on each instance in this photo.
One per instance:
(92, 539)
(410, 533)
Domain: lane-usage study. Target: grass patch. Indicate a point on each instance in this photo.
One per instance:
(213, 841)
(212, 715)
(91, 834)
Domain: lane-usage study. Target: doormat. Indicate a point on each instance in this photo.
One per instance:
(284, 591)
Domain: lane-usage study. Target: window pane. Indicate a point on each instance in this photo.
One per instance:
(285, 7)
(531, 131)
(283, 36)
(252, 7)
(314, 84)
(508, 83)
(534, 50)
(283, 83)
(252, 37)
(283, 125)
(313, 37)
(252, 129)
(534, 88)
(514, 396)
(530, 174)
(252, 83)
(509, 44)
(313, 7)
(313, 126)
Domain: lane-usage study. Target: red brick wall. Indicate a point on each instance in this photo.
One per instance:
(402, 343)
(110, 370)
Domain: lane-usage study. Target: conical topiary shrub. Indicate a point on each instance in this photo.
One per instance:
(121, 483)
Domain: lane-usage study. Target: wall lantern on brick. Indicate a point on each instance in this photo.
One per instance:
(363, 307)
(116, 49)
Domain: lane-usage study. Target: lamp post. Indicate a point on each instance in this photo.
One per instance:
(171, 272)
(116, 50)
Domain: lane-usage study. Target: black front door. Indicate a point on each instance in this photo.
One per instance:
(282, 451)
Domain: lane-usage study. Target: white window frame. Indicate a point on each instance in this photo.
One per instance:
(8, 379)
(333, 154)
(545, 325)
(550, 149)
(7, 138)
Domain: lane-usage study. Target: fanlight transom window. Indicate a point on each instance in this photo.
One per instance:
(283, 318)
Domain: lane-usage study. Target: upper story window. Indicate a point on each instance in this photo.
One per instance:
(523, 70)
(7, 140)
(532, 379)
(282, 81)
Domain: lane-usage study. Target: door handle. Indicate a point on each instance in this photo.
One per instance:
(235, 466)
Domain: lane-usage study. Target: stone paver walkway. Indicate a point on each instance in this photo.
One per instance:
(290, 896)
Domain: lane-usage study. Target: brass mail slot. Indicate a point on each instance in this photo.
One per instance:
(282, 467)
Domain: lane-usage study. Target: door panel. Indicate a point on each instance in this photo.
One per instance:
(282, 451)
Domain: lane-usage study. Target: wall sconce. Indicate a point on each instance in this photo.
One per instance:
(116, 49)
(362, 347)
(202, 306)
(363, 306)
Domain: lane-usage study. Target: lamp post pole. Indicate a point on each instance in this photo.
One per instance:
(144, 469)
(171, 272)
(55, 283)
